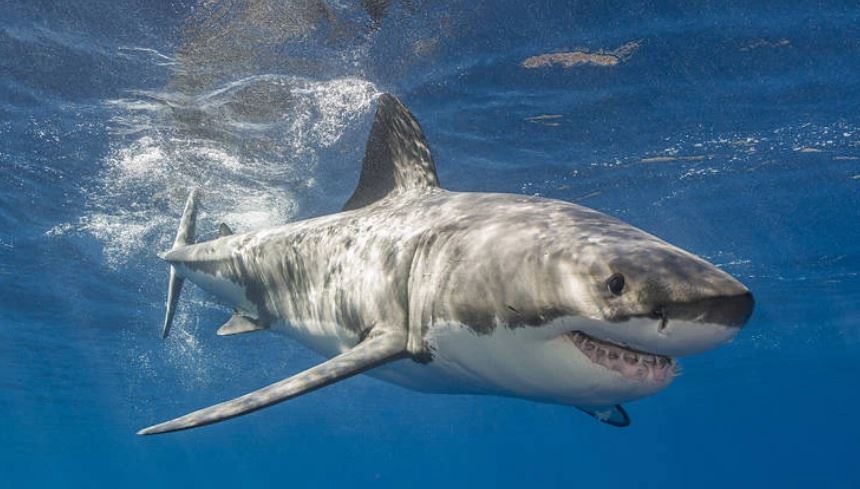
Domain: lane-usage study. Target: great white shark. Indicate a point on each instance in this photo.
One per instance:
(460, 292)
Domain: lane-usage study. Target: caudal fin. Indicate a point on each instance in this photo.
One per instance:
(184, 237)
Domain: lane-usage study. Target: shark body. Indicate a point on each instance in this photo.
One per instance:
(458, 292)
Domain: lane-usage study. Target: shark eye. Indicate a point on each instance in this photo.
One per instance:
(615, 284)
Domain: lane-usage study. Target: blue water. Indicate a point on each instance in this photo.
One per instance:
(731, 129)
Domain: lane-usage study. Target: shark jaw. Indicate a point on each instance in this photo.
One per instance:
(632, 364)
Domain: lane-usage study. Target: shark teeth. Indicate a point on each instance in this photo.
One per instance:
(632, 364)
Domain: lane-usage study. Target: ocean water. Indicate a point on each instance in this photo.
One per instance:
(731, 129)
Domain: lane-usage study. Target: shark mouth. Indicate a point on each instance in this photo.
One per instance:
(630, 363)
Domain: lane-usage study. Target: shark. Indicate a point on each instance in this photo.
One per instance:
(459, 292)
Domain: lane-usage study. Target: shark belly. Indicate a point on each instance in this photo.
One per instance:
(503, 362)
(325, 338)
(225, 290)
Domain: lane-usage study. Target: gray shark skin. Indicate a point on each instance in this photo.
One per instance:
(454, 292)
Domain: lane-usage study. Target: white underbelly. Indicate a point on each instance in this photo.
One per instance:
(330, 339)
(326, 338)
(519, 362)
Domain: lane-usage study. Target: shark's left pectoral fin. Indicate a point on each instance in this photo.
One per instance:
(240, 324)
(372, 352)
(611, 415)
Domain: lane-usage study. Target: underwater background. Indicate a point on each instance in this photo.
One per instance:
(731, 129)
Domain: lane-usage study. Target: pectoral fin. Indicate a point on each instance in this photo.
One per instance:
(372, 352)
(240, 324)
(611, 415)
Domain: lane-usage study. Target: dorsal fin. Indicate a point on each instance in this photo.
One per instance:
(397, 157)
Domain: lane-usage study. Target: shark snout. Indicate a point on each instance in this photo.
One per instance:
(686, 328)
(730, 311)
(687, 325)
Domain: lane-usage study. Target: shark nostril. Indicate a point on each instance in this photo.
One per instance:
(660, 313)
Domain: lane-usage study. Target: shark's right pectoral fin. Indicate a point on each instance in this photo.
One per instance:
(611, 415)
(240, 324)
(372, 352)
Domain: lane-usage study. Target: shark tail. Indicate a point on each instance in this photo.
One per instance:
(184, 237)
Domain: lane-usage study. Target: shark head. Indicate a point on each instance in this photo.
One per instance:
(645, 294)
(569, 305)
(640, 304)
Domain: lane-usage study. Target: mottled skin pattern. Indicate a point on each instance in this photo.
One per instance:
(466, 292)
(482, 260)
(442, 255)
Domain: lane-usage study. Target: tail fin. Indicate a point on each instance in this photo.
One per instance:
(184, 237)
